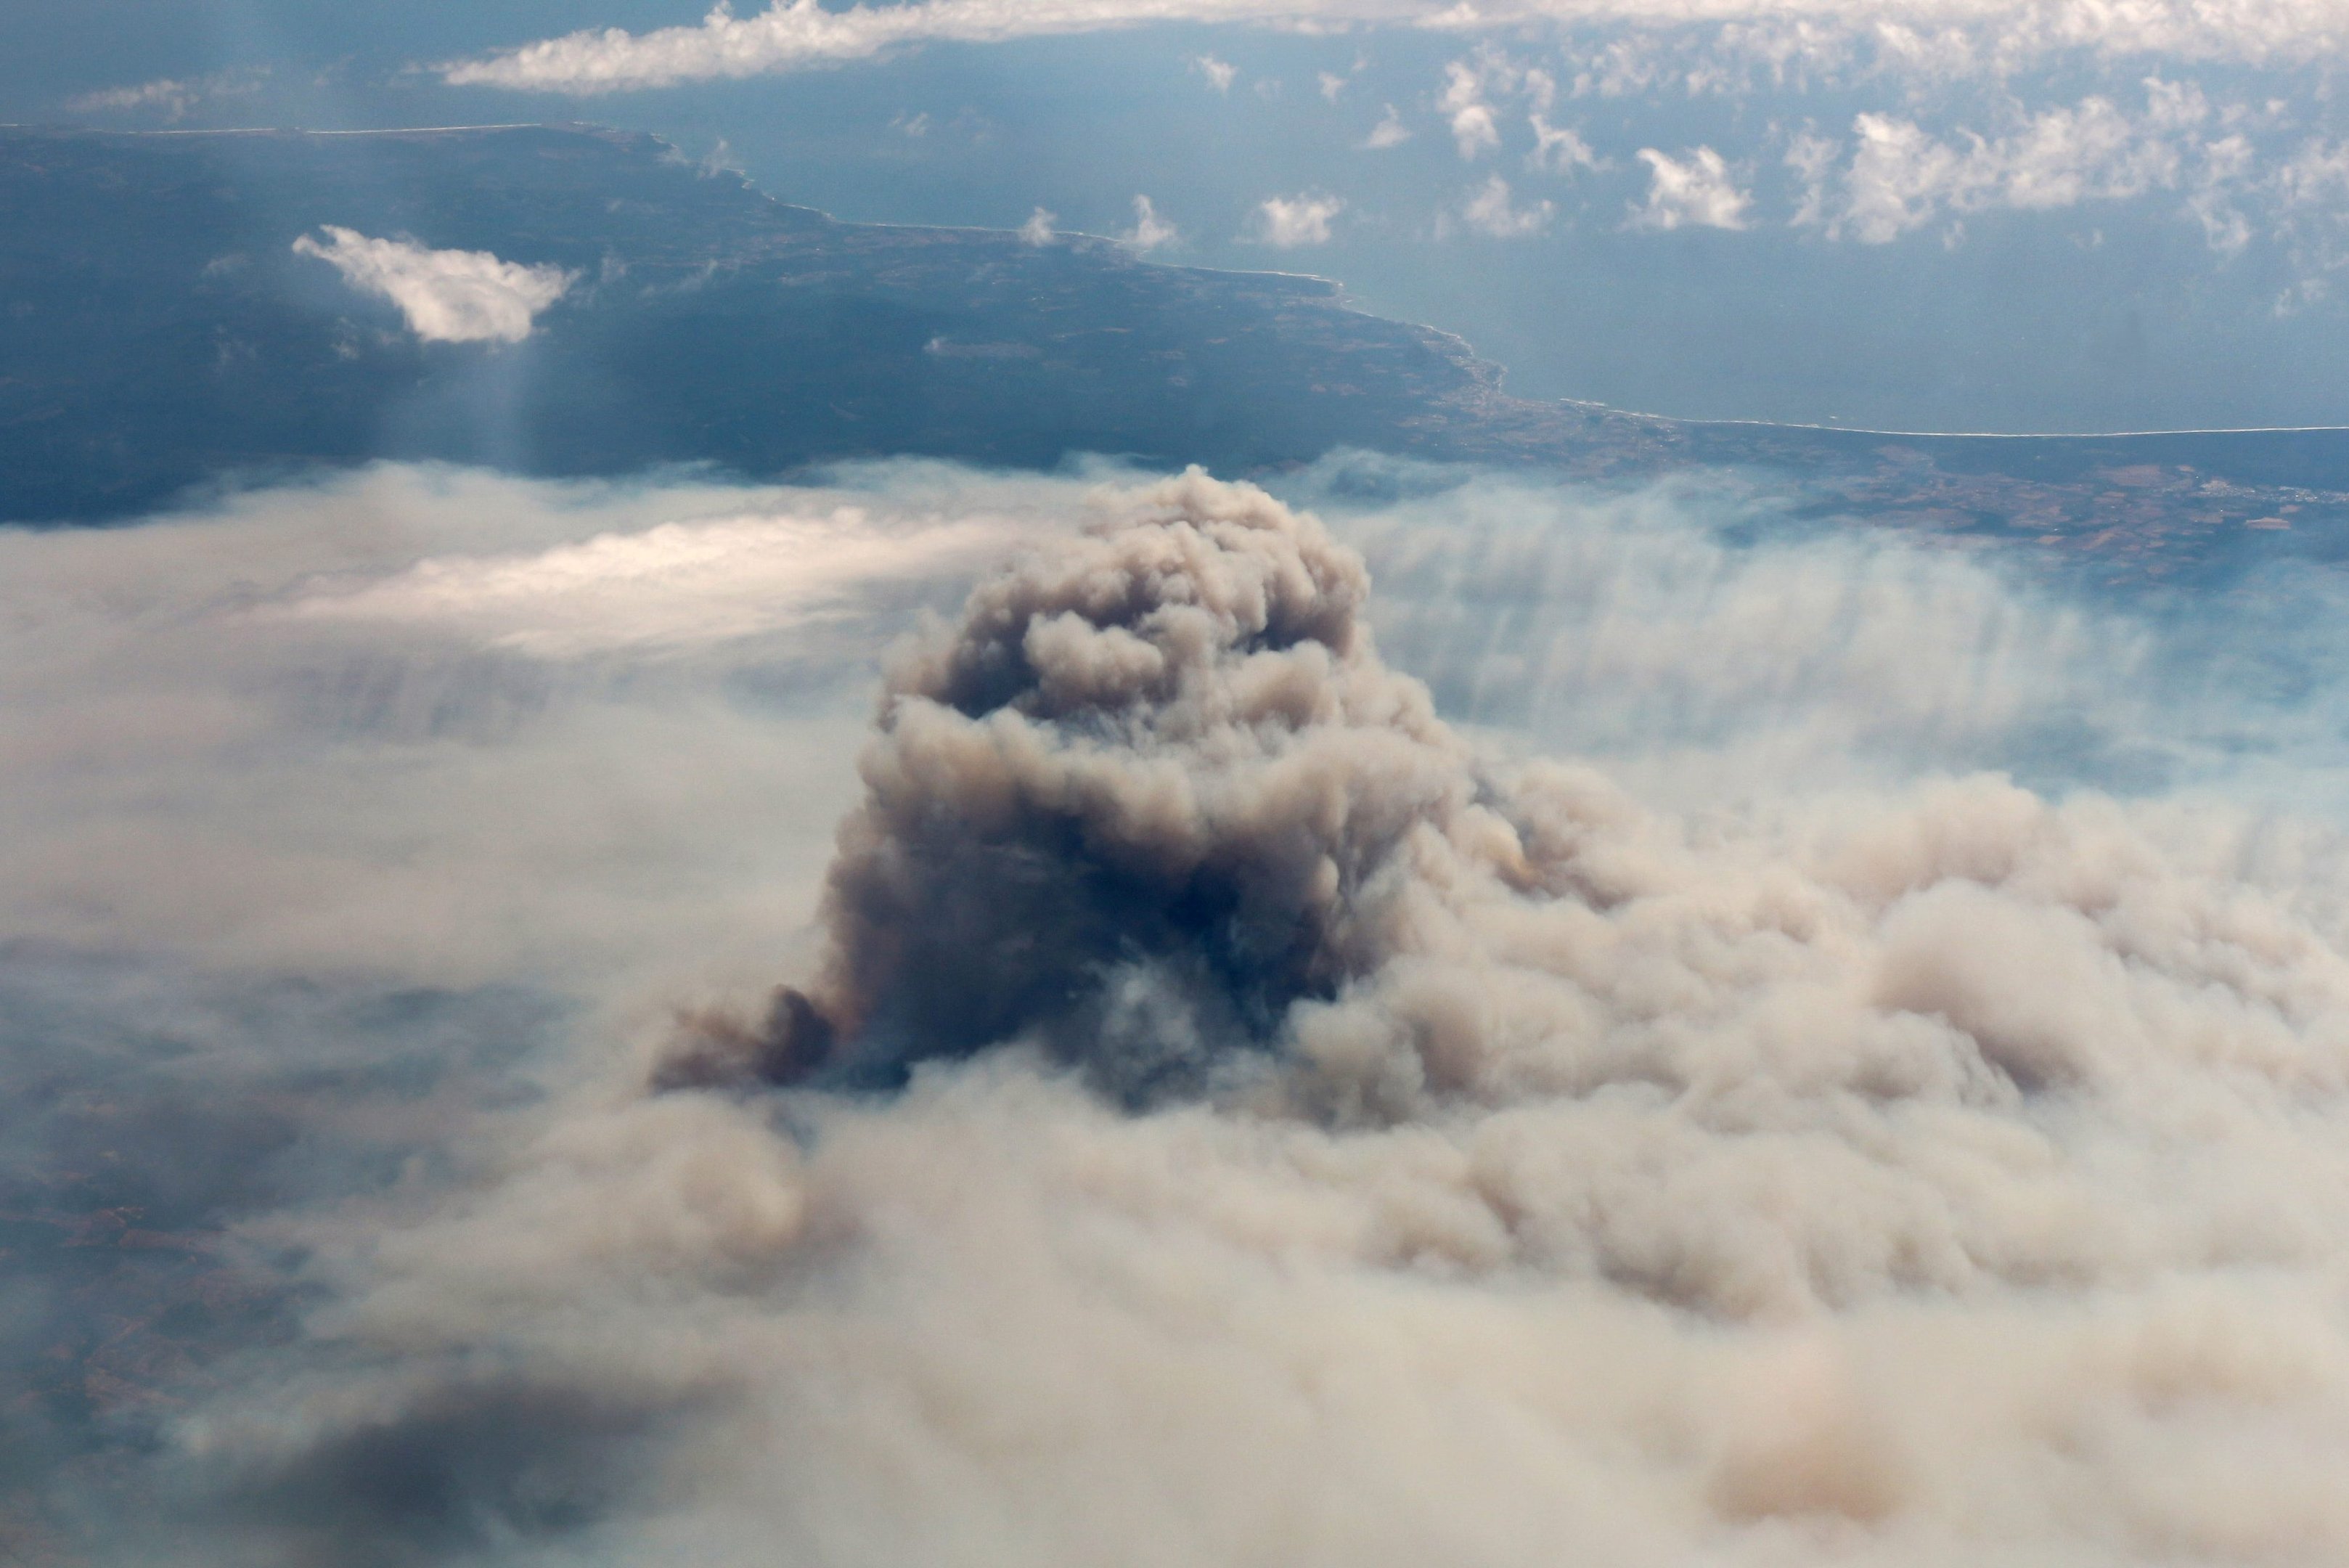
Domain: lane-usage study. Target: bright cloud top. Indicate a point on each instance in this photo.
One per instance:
(676, 584)
(1932, 35)
(447, 296)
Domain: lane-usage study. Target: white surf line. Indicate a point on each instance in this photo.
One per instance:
(2013, 435)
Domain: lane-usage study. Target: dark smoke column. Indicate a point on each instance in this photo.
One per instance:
(1154, 788)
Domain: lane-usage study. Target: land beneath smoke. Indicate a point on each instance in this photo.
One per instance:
(161, 334)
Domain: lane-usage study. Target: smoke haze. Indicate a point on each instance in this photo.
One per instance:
(1431, 1019)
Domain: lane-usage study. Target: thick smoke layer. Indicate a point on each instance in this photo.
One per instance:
(1952, 1176)
(1232, 1115)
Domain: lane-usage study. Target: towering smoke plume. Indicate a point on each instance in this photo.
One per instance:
(1155, 789)
(1155, 804)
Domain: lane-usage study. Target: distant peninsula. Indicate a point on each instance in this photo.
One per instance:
(161, 331)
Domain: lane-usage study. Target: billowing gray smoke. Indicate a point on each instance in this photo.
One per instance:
(1154, 789)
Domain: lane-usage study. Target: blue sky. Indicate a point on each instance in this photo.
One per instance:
(2008, 215)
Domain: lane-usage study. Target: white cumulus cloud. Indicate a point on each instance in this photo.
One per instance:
(1559, 149)
(1472, 127)
(1150, 231)
(1472, 87)
(1288, 222)
(2315, 176)
(1697, 190)
(1492, 211)
(447, 296)
(1390, 131)
(172, 97)
(1901, 176)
